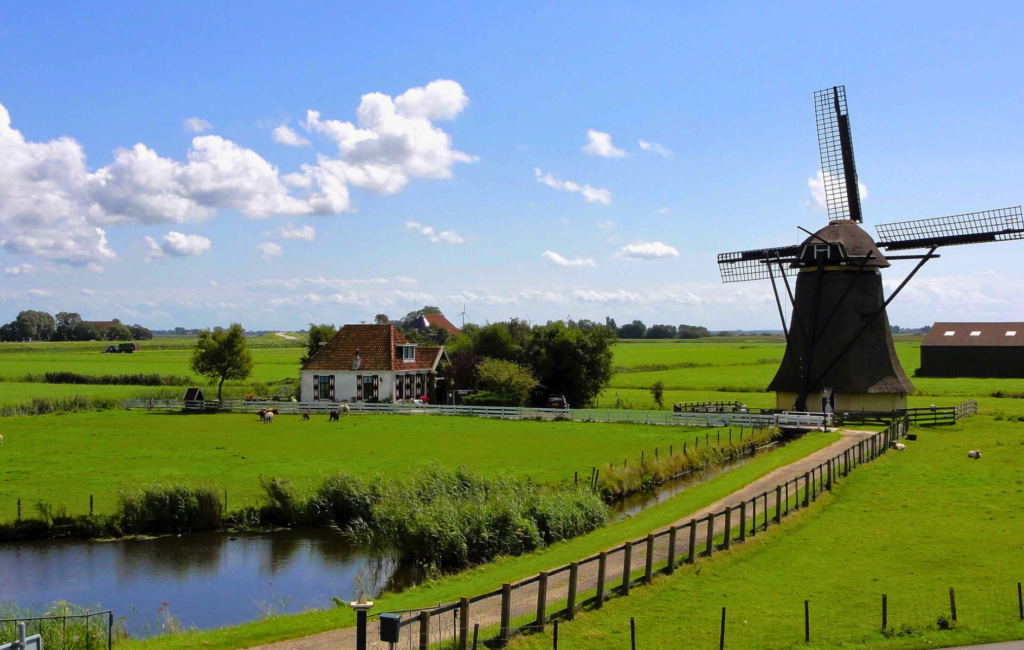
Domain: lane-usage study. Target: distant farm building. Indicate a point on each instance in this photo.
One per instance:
(973, 350)
(102, 325)
(369, 363)
(426, 321)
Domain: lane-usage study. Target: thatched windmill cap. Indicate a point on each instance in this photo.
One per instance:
(857, 242)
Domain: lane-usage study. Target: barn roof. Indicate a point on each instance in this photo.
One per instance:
(975, 335)
(426, 320)
(376, 347)
(100, 325)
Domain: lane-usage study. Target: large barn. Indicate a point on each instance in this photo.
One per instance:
(973, 350)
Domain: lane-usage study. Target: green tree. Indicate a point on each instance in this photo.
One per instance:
(381, 319)
(84, 331)
(658, 392)
(65, 326)
(317, 334)
(140, 333)
(222, 354)
(117, 332)
(693, 332)
(661, 332)
(634, 330)
(572, 362)
(30, 325)
(508, 380)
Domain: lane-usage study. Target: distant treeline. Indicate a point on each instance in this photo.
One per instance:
(32, 325)
(637, 330)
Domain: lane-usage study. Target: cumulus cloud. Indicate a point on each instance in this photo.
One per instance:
(655, 148)
(443, 237)
(286, 135)
(664, 211)
(176, 244)
(646, 251)
(269, 250)
(590, 194)
(291, 231)
(605, 225)
(196, 125)
(557, 259)
(817, 186)
(600, 144)
(24, 269)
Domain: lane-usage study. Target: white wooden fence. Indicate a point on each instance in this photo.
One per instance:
(759, 420)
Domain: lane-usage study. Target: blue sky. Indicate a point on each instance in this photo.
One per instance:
(244, 227)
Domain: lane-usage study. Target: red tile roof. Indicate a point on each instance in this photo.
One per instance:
(376, 347)
(436, 319)
(975, 335)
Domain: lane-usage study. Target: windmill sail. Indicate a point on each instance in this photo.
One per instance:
(1004, 224)
(743, 266)
(835, 144)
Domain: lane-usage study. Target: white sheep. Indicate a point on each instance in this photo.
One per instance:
(899, 446)
(1, 441)
(974, 453)
(268, 417)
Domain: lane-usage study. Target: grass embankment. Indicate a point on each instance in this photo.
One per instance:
(66, 458)
(491, 576)
(910, 526)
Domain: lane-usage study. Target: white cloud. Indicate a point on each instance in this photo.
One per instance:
(817, 186)
(39, 292)
(664, 211)
(269, 250)
(646, 251)
(24, 269)
(196, 125)
(283, 134)
(607, 296)
(655, 148)
(303, 231)
(404, 279)
(562, 261)
(176, 244)
(445, 236)
(605, 225)
(600, 144)
(590, 194)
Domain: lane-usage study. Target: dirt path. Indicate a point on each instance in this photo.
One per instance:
(487, 612)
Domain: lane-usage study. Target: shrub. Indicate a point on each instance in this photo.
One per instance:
(47, 405)
(174, 508)
(140, 379)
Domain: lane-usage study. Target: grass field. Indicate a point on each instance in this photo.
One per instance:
(66, 458)
(910, 526)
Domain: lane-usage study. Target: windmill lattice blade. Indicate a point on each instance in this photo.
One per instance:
(744, 266)
(1004, 224)
(835, 144)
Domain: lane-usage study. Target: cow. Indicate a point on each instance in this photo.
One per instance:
(305, 416)
(333, 415)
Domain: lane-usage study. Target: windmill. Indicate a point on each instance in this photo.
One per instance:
(838, 342)
(463, 314)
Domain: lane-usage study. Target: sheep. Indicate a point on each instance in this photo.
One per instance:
(344, 408)
(899, 446)
(974, 453)
(333, 415)
(268, 418)
(305, 416)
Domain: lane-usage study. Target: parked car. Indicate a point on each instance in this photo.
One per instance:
(556, 402)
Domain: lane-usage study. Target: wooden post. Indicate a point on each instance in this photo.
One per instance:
(1020, 601)
(952, 604)
(554, 639)
(796, 482)
(506, 614)
(721, 637)
(693, 542)
(885, 612)
(90, 505)
(807, 489)
(476, 633)
(728, 527)
(649, 560)
(602, 565)
(710, 546)
(753, 506)
(632, 633)
(846, 463)
(424, 630)
(807, 621)
(570, 605)
(542, 600)
(778, 504)
(828, 486)
(463, 623)
(743, 521)
(627, 566)
(670, 569)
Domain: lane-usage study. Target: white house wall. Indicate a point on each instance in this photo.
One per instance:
(345, 384)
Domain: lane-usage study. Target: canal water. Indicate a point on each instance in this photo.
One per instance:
(209, 580)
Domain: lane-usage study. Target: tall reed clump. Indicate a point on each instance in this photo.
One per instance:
(618, 480)
(167, 508)
(438, 518)
(60, 632)
(139, 379)
(47, 405)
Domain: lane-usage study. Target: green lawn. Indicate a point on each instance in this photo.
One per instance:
(910, 526)
(65, 458)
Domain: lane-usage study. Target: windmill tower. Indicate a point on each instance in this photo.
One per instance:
(839, 349)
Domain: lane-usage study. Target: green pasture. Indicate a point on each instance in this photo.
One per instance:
(66, 458)
(909, 526)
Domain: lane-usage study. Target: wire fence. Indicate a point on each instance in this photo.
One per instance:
(530, 605)
(86, 631)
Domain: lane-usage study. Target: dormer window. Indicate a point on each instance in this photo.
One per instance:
(405, 352)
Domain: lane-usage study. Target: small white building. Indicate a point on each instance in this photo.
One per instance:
(368, 363)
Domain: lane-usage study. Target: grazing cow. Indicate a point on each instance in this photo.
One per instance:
(899, 446)
(305, 416)
(333, 415)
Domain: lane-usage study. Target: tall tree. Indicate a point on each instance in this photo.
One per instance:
(222, 354)
(572, 362)
(634, 330)
(33, 325)
(381, 319)
(318, 334)
(117, 332)
(65, 328)
(140, 333)
(84, 331)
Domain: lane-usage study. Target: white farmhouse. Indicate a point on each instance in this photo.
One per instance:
(368, 363)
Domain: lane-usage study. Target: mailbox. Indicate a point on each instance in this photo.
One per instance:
(390, 627)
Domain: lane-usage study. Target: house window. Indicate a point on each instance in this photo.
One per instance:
(368, 387)
(409, 353)
(325, 387)
(1011, 332)
(950, 333)
(976, 333)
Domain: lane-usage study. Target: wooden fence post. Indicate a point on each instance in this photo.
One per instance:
(506, 614)
(807, 489)
(671, 567)
(807, 621)
(728, 527)
(627, 566)
(602, 565)
(778, 504)
(542, 601)
(424, 630)
(649, 560)
(885, 612)
(692, 553)
(570, 605)
(753, 507)
(463, 623)
(828, 486)
(743, 521)
(710, 545)
(952, 604)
